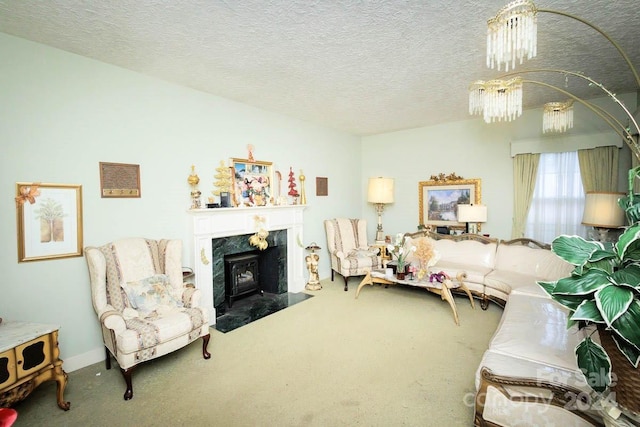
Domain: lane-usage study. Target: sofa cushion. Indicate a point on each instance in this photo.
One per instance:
(472, 254)
(541, 264)
(535, 328)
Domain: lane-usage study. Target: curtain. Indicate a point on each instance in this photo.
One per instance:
(558, 199)
(599, 168)
(525, 169)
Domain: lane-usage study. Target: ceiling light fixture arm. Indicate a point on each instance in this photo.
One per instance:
(626, 136)
(605, 35)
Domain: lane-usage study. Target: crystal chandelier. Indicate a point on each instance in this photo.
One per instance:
(557, 116)
(512, 34)
(497, 100)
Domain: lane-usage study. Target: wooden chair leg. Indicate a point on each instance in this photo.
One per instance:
(346, 283)
(126, 373)
(332, 273)
(205, 344)
(107, 359)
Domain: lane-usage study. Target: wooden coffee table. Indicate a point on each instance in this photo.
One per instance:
(443, 289)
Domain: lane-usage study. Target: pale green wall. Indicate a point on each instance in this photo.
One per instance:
(62, 114)
(471, 149)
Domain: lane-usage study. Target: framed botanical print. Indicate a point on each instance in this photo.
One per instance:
(252, 182)
(438, 200)
(49, 219)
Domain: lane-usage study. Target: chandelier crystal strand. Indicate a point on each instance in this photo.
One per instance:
(496, 100)
(512, 35)
(557, 116)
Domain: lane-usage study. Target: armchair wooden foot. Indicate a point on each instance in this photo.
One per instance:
(126, 373)
(205, 344)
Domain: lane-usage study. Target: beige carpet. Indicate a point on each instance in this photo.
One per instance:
(393, 357)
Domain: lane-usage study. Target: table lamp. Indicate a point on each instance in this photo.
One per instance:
(380, 192)
(602, 212)
(472, 215)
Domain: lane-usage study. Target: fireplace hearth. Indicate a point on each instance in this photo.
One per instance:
(270, 267)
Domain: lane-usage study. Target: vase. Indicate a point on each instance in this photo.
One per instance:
(626, 378)
(401, 272)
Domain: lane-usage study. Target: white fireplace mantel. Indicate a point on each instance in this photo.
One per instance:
(209, 224)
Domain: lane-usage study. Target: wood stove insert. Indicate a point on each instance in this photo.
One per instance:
(242, 276)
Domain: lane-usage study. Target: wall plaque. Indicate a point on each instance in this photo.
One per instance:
(119, 180)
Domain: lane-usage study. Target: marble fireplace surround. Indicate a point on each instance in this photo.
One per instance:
(207, 225)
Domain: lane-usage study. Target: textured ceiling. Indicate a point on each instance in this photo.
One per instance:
(365, 67)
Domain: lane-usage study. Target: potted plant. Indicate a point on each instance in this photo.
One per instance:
(604, 290)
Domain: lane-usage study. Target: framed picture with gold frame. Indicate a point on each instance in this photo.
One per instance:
(49, 219)
(252, 182)
(438, 200)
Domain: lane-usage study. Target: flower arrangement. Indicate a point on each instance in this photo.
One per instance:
(427, 256)
(400, 251)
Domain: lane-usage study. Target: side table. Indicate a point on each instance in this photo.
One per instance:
(29, 355)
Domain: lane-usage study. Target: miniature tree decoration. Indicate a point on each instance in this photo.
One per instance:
(222, 181)
(292, 184)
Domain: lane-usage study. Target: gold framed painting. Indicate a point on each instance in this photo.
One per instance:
(438, 200)
(252, 182)
(49, 219)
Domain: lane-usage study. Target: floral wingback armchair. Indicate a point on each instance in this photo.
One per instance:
(144, 308)
(348, 249)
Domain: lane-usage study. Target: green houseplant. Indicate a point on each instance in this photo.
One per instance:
(604, 289)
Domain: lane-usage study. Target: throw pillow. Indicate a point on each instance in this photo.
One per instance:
(147, 294)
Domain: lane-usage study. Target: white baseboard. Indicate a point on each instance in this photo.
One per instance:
(82, 360)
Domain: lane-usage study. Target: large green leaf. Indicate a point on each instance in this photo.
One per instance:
(594, 363)
(606, 265)
(572, 302)
(588, 311)
(574, 249)
(548, 287)
(627, 245)
(602, 254)
(612, 301)
(588, 283)
(630, 352)
(627, 325)
(628, 276)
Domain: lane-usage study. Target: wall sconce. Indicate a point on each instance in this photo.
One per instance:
(472, 215)
(602, 212)
(380, 192)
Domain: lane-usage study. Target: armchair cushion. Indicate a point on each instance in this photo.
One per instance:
(147, 294)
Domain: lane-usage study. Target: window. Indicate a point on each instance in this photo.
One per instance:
(558, 198)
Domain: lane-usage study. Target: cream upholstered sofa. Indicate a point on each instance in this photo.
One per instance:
(349, 251)
(144, 308)
(528, 375)
(494, 268)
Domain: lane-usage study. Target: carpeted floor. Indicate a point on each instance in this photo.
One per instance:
(392, 357)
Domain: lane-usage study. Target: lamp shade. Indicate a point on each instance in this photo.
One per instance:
(380, 190)
(472, 213)
(602, 210)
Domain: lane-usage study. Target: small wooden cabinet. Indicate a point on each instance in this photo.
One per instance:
(29, 355)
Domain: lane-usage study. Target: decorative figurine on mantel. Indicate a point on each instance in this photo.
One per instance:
(250, 153)
(292, 187)
(193, 181)
(312, 265)
(303, 194)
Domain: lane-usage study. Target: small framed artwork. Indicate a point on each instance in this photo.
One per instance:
(119, 180)
(49, 219)
(252, 182)
(322, 186)
(438, 200)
